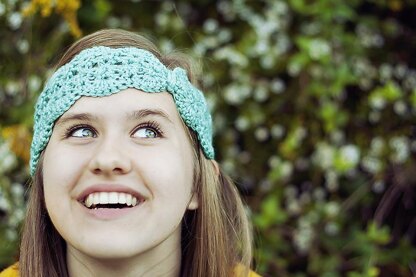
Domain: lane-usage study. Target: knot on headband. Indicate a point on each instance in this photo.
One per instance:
(102, 71)
(173, 75)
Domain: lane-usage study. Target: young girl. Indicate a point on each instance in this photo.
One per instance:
(124, 177)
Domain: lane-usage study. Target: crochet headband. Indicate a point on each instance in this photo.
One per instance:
(102, 71)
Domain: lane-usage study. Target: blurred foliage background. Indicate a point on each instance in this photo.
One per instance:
(314, 109)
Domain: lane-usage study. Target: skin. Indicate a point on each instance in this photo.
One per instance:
(110, 150)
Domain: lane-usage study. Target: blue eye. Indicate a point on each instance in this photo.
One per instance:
(145, 133)
(148, 130)
(82, 132)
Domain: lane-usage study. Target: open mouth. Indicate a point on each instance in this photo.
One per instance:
(111, 200)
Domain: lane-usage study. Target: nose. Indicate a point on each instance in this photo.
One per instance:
(110, 159)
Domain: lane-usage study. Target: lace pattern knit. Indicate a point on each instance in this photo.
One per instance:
(102, 71)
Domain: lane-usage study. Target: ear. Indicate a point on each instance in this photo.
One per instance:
(216, 167)
(193, 202)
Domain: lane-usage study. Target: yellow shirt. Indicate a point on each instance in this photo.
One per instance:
(13, 271)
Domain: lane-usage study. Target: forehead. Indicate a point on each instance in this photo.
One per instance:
(127, 101)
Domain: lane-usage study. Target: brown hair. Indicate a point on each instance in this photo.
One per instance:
(215, 237)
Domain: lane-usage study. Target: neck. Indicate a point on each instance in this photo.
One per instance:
(150, 263)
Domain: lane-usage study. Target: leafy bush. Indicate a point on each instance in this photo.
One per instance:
(314, 105)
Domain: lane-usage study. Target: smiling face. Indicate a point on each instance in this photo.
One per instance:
(118, 176)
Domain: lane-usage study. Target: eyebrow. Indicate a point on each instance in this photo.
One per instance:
(130, 116)
(76, 116)
(148, 112)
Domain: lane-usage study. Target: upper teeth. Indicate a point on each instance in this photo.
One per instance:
(110, 198)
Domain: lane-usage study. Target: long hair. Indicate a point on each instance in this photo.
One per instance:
(216, 237)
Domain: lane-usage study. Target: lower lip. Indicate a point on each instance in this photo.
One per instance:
(110, 214)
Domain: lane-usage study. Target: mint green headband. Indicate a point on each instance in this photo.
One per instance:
(102, 71)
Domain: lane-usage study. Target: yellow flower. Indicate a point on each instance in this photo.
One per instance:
(395, 5)
(45, 7)
(19, 139)
(66, 8)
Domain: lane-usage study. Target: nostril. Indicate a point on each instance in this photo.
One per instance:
(119, 170)
(107, 163)
(116, 170)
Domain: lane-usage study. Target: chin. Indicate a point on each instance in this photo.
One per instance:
(108, 251)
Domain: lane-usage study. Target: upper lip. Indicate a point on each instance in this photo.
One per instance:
(109, 188)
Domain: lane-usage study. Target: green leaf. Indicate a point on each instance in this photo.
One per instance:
(270, 213)
(378, 235)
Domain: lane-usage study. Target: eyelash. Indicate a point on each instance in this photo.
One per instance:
(149, 124)
(72, 129)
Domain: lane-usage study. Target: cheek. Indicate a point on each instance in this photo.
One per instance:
(169, 174)
(61, 167)
(54, 176)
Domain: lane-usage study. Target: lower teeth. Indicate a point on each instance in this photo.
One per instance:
(108, 206)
